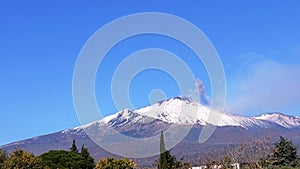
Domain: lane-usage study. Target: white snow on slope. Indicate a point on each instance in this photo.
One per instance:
(182, 110)
(281, 119)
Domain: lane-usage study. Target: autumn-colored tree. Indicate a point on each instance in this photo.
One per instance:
(112, 163)
(21, 159)
(2, 157)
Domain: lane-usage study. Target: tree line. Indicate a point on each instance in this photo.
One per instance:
(53, 159)
(256, 155)
(60, 159)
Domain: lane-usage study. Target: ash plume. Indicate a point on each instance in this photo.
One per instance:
(200, 91)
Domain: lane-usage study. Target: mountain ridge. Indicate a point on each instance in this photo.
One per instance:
(182, 110)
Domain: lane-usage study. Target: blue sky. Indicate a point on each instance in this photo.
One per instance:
(257, 41)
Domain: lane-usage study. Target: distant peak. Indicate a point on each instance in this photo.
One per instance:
(281, 119)
(273, 114)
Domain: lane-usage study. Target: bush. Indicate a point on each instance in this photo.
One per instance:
(112, 163)
(2, 157)
(20, 159)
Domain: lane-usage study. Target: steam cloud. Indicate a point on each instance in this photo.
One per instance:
(266, 86)
(200, 90)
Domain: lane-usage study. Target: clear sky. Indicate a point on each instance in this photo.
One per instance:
(257, 41)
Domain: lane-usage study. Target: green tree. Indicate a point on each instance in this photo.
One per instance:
(2, 157)
(166, 160)
(112, 163)
(20, 159)
(285, 153)
(61, 159)
(172, 163)
(88, 161)
(74, 147)
(162, 163)
(68, 159)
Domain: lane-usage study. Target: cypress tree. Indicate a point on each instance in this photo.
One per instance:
(74, 148)
(168, 161)
(162, 164)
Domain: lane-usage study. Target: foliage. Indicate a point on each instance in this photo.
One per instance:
(61, 159)
(182, 165)
(112, 163)
(88, 161)
(162, 164)
(256, 154)
(172, 163)
(20, 159)
(2, 157)
(285, 153)
(167, 161)
(68, 159)
(226, 162)
(74, 147)
(65, 159)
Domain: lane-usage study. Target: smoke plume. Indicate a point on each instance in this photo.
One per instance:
(200, 91)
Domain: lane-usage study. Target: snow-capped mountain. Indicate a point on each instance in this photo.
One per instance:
(185, 111)
(181, 110)
(281, 119)
(178, 111)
